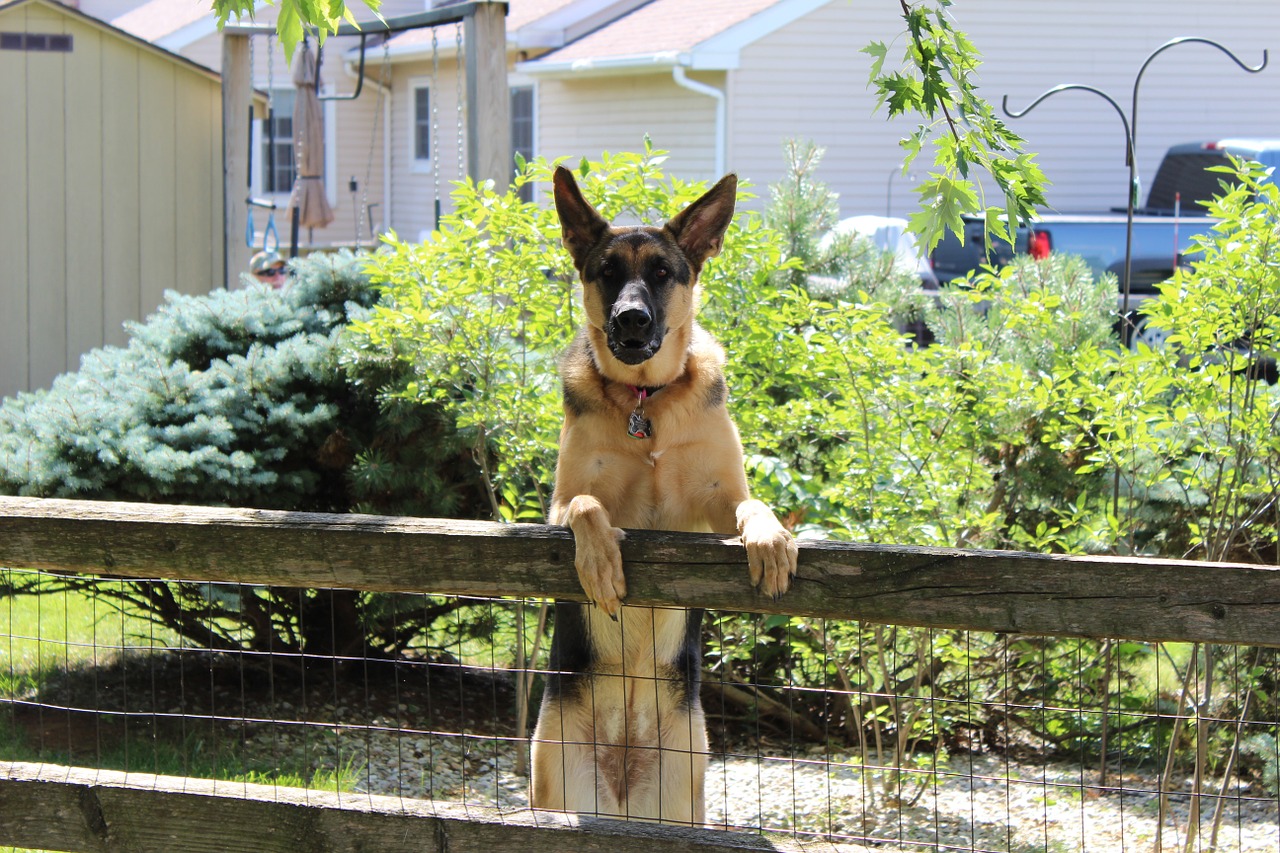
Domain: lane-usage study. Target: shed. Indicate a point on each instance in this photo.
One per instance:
(111, 190)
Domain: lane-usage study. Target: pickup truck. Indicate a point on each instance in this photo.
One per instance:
(1162, 230)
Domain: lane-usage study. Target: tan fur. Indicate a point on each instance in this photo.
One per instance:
(624, 749)
(624, 745)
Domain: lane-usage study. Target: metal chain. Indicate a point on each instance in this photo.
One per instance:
(270, 159)
(271, 75)
(384, 82)
(458, 72)
(433, 93)
(253, 84)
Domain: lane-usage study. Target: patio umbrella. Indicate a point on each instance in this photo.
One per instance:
(308, 202)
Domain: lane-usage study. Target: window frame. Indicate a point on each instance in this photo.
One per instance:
(259, 176)
(523, 82)
(420, 165)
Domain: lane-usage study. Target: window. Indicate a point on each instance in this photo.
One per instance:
(422, 125)
(277, 144)
(522, 130)
(51, 42)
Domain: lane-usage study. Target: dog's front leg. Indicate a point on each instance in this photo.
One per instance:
(771, 549)
(597, 556)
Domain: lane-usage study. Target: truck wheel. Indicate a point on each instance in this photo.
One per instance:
(1144, 333)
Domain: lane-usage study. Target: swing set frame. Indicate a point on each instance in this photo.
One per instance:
(488, 156)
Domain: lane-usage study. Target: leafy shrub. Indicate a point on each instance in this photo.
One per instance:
(478, 316)
(236, 398)
(848, 432)
(1200, 455)
(220, 399)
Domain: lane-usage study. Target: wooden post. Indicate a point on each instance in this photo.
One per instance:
(237, 100)
(488, 98)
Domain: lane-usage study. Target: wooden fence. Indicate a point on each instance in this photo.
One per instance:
(77, 809)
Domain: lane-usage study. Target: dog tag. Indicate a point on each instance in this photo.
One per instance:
(638, 426)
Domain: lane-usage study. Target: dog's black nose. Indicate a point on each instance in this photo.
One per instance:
(634, 324)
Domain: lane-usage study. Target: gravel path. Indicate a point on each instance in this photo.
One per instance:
(973, 803)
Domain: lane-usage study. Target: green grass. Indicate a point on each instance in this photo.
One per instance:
(56, 630)
(52, 632)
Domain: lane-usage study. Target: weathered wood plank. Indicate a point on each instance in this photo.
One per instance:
(488, 96)
(82, 810)
(237, 98)
(1144, 599)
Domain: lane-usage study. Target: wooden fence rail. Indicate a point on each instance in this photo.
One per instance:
(1001, 591)
(78, 809)
(96, 811)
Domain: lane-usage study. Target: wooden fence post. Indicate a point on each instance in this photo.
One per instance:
(237, 100)
(488, 98)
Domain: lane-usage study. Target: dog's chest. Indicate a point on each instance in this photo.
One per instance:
(653, 486)
(640, 641)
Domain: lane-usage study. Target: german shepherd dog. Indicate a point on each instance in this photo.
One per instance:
(646, 443)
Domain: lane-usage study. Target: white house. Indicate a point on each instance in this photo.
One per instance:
(722, 83)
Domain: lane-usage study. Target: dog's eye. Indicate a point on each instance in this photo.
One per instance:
(661, 273)
(606, 269)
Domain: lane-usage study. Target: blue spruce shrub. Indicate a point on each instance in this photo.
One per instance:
(239, 398)
(226, 398)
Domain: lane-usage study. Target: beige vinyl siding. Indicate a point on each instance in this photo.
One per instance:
(15, 187)
(582, 118)
(1189, 93)
(112, 192)
(358, 130)
(85, 326)
(47, 249)
(121, 249)
(414, 190)
(349, 128)
(208, 52)
(808, 80)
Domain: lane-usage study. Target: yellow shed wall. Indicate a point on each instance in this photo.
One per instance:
(111, 191)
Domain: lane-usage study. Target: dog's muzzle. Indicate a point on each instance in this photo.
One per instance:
(634, 333)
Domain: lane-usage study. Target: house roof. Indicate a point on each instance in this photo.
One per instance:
(584, 37)
(531, 24)
(158, 18)
(117, 31)
(708, 34)
(174, 24)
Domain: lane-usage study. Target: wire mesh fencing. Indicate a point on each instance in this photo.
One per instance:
(820, 729)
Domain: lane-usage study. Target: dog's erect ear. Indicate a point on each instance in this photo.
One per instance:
(580, 225)
(700, 227)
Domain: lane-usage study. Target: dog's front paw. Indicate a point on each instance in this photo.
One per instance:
(771, 549)
(599, 562)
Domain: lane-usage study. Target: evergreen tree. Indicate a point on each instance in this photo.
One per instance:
(238, 398)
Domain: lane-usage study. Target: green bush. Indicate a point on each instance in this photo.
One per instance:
(1191, 429)
(848, 432)
(478, 316)
(1025, 426)
(236, 398)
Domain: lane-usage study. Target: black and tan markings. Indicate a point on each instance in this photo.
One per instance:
(621, 730)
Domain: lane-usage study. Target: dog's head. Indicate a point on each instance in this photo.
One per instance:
(639, 282)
